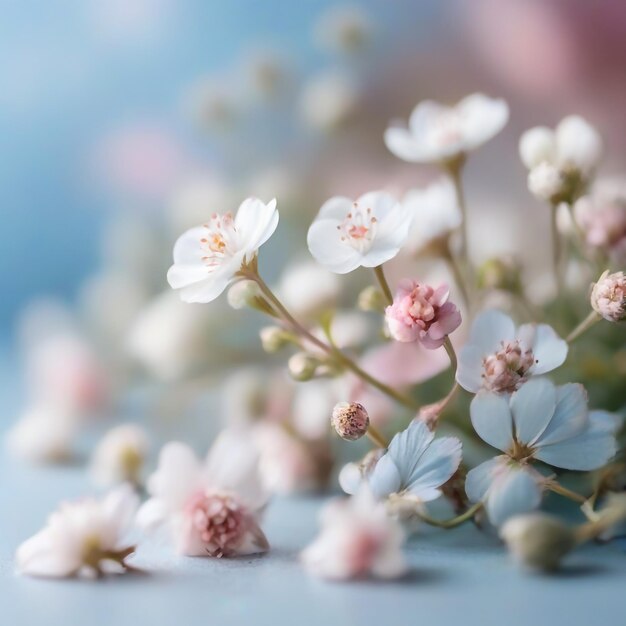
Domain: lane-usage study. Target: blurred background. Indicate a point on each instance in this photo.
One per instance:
(124, 123)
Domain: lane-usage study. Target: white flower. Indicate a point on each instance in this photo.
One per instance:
(120, 455)
(346, 234)
(169, 338)
(306, 288)
(435, 213)
(416, 464)
(328, 100)
(439, 133)
(211, 508)
(499, 358)
(560, 161)
(44, 434)
(574, 144)
(357, 539)
(207, 258)
(540, 422)
(82, 537)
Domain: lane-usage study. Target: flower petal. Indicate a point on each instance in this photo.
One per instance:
(492, 420)
(335, 208)
(570, 415)
(532, 407)
(437, 464)
(589, 450)
(514, 491)
(470, 368)
(489, 329)
(255, 223)
(548, 348)
(42, 556)
(480, 478)
(407, 447)
(385, 478)
(325, 245)
(482, 118)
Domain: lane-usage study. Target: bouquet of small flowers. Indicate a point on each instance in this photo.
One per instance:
(513, 400)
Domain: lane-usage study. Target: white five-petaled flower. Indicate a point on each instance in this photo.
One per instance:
(207, 258)
(367, 232)
(439, 133)
(560, 161)
(540, 422)
(415, 466)
(500, 358)
(211, 508)
(358, 539)
(82, 537)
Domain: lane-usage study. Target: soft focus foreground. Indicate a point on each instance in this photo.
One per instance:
(361, 251)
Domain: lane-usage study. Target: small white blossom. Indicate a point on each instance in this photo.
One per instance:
(439, 133)
(435, 213)
(344, 28)
(44, 434)
(500, 358)
(120, 456)
(83, 537)
(357, 540)
(211, 508)
(561, 161)
(328, 100)
(368, 232)
(540, 422)
(207, 258)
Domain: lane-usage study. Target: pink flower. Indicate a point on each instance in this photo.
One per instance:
(608, 296)
(211, 508)
(421, 313)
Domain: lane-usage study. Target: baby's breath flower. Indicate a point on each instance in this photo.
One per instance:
(608, 296)
(350, 420)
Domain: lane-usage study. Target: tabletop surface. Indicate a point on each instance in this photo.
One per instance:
(458, 577)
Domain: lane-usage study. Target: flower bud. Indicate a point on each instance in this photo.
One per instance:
(350, 420)
(302, 366)
(371, 299)
(608, 296)
(547, 182)
(500, 273)
(242, 294)
(538, 541)
(274, 338)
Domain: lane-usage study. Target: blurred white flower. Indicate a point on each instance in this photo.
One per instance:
(435, 213)
(601, 216)
(561, 161)
(367, 232)
(207, 258)
(539, 422)
(211, 508)
(439, 133)
(328, 100)
(120, 455)
(44, 434)
(306, 288)
(212, 103)
(82, 537)
(266, 71)
(344, 28)
(500, 358)
(311, 407)
(170, 338)
(357, 539)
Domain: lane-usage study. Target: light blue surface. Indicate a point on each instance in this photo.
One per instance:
(458, 577)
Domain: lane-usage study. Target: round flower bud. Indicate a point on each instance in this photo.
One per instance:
(302, 366)
(371, 299)
(546, 182)
(274, 338)
(608, 296)
(242, 294)
(350, 420)
(538, 541)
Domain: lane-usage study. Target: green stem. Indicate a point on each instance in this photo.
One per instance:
(447, 344)
(376, 437)
(252, 274)
(556, 249)
(384, 285)
(455, 169)
(566, 493)
(585, 325)
(455, 521)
